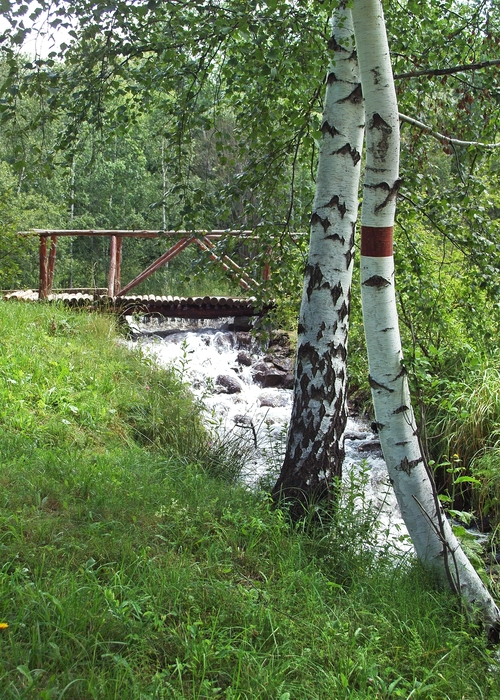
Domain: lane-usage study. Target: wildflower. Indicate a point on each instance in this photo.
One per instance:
(4, 625)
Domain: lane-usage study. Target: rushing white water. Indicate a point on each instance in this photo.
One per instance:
(220, 365)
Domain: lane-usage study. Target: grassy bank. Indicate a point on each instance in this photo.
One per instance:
(131, 569)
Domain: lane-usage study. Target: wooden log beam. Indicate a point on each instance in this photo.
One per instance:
(145, 233)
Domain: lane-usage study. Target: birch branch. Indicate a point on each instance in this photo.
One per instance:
(442, 137)
(447, 71)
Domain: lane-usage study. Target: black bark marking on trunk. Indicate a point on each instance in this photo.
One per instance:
(392, 192)
(376, 281)
(402, 372)
(318, 394)
(381, 147)
(400, 409)
(327, 128)
(309, 353)
(322, 412)
(335, 202)
(321, 331)
(339, 403)
(324, 392)
(310, 430)
(329, 378)
(335, 237)
(336, 293)
(376, 75)
(355, 97)
(343, 311)
(406, 465)
(316, 279)
(339, 351)
(316, 219)
(379, 185)
(349, 255)
(371, 169)
(304, 384)
(376, 385)
(347, 150)
(377, 122)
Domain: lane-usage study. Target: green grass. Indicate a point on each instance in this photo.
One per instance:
(129, 571)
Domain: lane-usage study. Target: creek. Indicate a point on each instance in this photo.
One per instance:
(246, 397)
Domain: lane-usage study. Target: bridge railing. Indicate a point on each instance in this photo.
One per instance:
(202, 238)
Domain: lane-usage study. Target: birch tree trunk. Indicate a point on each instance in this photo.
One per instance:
(315, 445)
(430, 531)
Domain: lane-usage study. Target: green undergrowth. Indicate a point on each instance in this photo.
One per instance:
(134, 567)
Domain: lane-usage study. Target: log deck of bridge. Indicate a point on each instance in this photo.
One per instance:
(162, 306)
(117, 297)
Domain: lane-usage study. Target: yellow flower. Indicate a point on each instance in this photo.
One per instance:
(4, 625)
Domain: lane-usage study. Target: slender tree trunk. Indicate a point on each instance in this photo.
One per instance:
(431, 533)
(315, 446)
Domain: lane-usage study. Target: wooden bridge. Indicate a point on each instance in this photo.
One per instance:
(118, 298)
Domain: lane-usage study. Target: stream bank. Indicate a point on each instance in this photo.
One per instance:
(246, 396)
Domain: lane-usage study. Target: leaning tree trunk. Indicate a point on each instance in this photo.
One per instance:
(431, 533)
(315, 445)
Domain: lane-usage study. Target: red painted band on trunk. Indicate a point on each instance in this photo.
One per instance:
(376, 241)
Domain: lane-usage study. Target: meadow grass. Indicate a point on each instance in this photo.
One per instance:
(132, 568)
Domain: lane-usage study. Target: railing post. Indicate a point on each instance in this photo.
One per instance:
(43, 282)
(52, 262)
(112, 267)
(118, 281)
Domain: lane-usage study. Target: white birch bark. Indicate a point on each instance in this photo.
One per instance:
(431, 533)
(315, 446)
